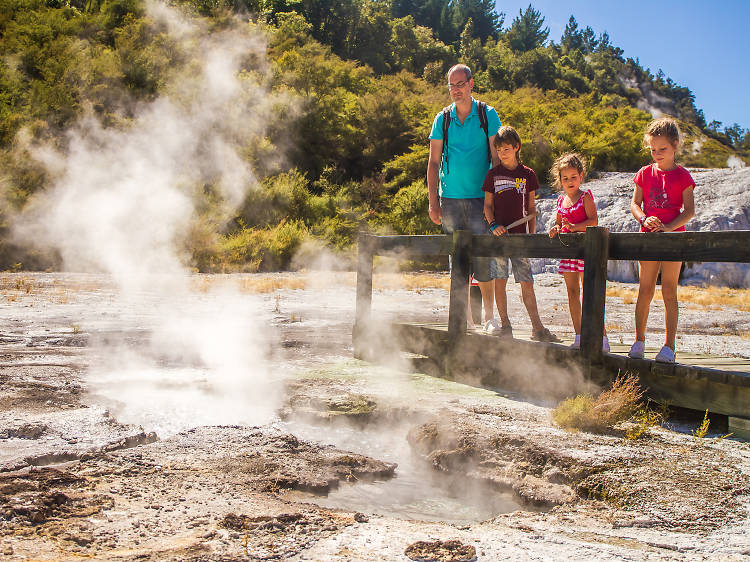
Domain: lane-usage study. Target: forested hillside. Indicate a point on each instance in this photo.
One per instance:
(360, 82)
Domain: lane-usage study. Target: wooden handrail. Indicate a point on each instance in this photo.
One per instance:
(724, 246)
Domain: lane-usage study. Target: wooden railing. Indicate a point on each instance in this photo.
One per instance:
(596, 246)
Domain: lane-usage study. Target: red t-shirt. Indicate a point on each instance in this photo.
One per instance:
(511, 189)
(662, 191)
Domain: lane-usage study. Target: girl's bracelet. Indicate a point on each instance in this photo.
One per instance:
(493, 226)
(642, 220)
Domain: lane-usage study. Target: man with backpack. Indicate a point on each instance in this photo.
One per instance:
(460, 157)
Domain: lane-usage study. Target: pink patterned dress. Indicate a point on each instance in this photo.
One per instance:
(575, 214)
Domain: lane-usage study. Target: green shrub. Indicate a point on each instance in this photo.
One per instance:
(262, 249)
(408, 211)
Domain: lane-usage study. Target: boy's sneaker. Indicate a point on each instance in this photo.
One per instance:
(544, 335)
(492, 327)
(577, 343)
(666, 355)
(637, 350)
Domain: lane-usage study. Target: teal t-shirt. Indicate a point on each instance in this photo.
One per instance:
(467, 153)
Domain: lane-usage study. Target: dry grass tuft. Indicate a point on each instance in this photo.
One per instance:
(702, 430)
(702, 296)
(598, 415)
(716, 296)
(271, 284)
(254, 285)
(628, 294)
(411, 281)
(644, 419)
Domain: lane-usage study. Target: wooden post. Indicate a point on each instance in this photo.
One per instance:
(459, 296)
(596, 251)
(365, 252)
(459, 293)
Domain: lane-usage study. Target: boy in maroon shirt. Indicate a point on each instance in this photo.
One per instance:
(509, 196)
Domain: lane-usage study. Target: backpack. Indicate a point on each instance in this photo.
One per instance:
(482, 111)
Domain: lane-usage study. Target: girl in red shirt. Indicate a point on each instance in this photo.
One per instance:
(662, 202)
(575, 211)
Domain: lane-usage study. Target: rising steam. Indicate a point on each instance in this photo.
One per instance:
(122, 202)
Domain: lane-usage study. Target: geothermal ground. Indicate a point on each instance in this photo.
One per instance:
(230, 422)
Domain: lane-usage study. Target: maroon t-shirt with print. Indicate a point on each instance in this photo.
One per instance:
(511, 189)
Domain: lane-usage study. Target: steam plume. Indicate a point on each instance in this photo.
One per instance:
(122, 202)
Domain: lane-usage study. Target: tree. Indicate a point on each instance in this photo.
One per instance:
(437, 15)
(571, 39)
(332, 21)
(526, 32)
(534, 68)
(414, 48)
(369, 37)
(486, 21)
(470, 50)
(735, 134)
(499, 62)
(590, 42)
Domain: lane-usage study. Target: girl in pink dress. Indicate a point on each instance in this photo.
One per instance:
(575, 211)
(662, 202)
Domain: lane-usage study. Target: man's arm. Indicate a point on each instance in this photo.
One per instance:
(433, 176)
(493, 152)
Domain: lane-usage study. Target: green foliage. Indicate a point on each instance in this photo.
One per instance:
(470, 49)
(261, 249)
(406, 168)
(486, 22)
(701, 150)
(605, 130)
(147, 56)
(362, 80)
(414, 48)
(408, 211)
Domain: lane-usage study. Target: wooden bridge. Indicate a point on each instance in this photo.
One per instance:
(720, 385)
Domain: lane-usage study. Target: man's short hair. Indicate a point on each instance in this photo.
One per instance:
(463, 67)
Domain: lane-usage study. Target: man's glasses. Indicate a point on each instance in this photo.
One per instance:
(457, 85)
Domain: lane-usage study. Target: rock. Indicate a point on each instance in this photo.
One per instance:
(540, 492)
(361, 518)
(556, 476)
(442, 551)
